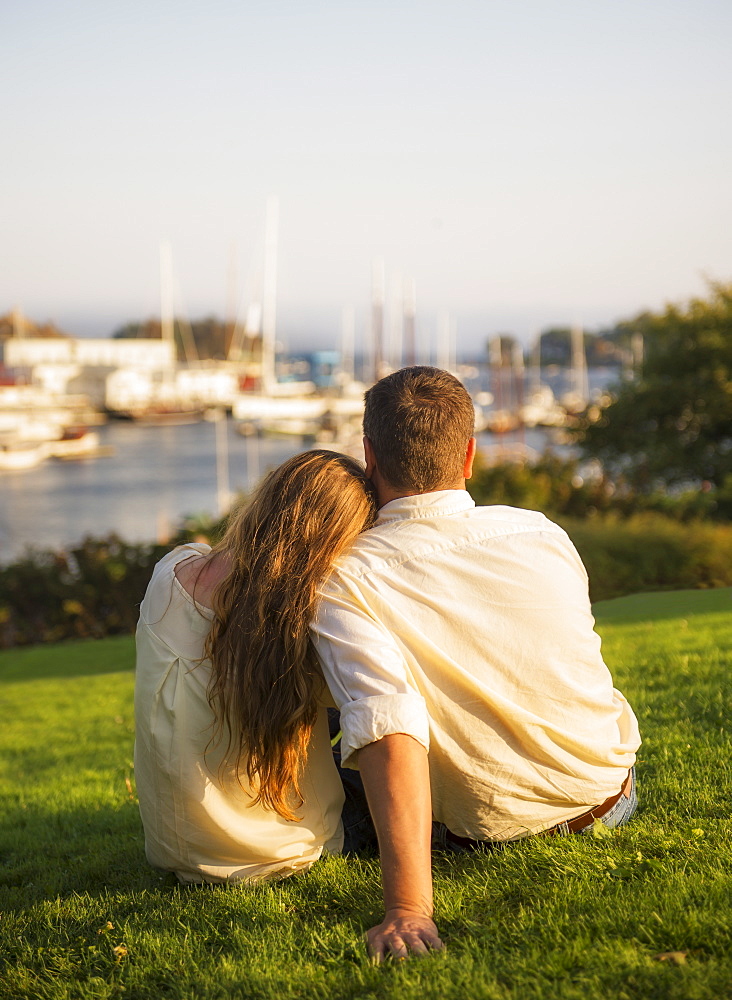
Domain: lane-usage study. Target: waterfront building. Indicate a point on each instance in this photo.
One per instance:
(79, 366)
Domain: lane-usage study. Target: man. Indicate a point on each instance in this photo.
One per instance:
(458, 644)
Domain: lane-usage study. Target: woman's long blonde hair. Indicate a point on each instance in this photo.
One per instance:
(265, 678)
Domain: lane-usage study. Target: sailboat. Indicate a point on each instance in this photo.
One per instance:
(540, 407)
(157, 396)
(292, 408)
(576, 399)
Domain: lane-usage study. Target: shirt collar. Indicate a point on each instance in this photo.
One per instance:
(436, 504)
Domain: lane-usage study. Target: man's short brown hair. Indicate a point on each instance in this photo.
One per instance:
(419, 421)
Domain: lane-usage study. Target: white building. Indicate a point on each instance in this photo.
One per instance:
(78, 366)
(134, 390)
(26, 352)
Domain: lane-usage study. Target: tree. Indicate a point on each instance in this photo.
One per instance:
(672, 422)
(601, 349)
(204, 338)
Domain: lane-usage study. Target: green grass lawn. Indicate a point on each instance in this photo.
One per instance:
(84, 916)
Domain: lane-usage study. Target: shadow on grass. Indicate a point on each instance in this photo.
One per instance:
(663, 605)
(75, 658)
(47, 854)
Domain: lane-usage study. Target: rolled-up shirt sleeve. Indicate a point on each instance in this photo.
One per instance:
(366, 673)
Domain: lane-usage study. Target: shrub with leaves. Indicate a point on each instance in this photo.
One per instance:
(93, 590)
(567, 487)
(649, 553)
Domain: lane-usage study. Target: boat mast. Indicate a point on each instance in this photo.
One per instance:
(166, 292)
(443, 357)
(410, 315)
(377, 316)
(269, 297)
(535, 365)
(18, 322)
(231, 322)
(223, 493)
(396, 328)
(580, 384)
(348, 343)
(169, 293)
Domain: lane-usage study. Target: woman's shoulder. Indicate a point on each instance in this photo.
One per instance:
(181, 554)
(164, 584)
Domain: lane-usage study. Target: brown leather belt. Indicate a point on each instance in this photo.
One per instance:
(573, 826)
(597, 812)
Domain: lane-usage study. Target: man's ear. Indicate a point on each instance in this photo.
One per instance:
(369, 457)
(469, 458)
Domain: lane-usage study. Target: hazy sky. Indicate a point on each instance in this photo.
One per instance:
(525, 163)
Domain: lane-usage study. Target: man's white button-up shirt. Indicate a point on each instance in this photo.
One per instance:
(470, 629)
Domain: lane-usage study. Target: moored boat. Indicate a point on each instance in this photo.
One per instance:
(77, 442)
(16, 456)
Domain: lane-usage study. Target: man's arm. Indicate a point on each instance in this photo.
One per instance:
(396, 779)
(384, 721)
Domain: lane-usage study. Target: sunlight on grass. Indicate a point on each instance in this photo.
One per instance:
(83, 916)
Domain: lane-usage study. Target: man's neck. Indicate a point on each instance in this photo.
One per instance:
(385, 492)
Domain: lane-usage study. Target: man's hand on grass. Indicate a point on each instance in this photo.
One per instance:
(401, 933)
(396, 778)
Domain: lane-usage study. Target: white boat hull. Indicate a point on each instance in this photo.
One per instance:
(25, 455)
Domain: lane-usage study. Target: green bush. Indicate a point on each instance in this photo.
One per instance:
(563, 487)
(651, 552)
(91, 591)
(553, 485)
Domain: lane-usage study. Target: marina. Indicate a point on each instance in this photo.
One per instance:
(153, 476)
(132, 434)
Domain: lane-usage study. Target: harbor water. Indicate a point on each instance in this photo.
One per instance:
(155, 477)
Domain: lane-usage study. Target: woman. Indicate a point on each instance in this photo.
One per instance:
(233, 765)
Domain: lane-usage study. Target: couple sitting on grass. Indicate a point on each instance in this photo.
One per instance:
(456, 641)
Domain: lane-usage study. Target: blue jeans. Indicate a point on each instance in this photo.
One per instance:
(359, 834)
(617, 816)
